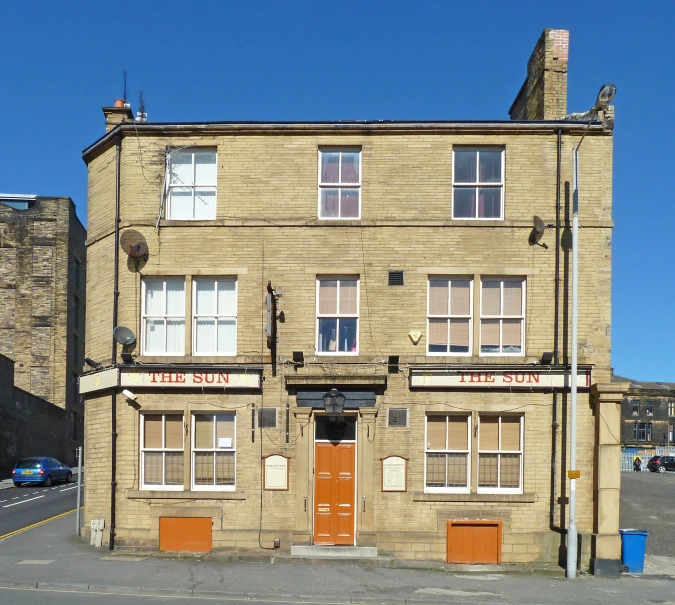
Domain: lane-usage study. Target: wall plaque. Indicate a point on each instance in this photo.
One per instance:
(276, 472)
(394, 474)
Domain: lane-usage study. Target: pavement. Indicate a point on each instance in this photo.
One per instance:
(49, 558)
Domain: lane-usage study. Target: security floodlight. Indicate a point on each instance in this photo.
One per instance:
(605, 96)
(97, 365)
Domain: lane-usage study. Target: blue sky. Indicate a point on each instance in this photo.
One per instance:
(300, 60)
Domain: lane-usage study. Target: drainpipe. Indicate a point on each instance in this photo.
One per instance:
(556, 342)
(113, 402)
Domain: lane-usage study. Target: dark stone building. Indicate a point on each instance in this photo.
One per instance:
(42, 296)
(648, 413)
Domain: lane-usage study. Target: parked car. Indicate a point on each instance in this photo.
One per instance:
(661, 464)
(41, 470)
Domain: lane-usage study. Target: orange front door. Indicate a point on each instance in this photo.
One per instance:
(334, 493)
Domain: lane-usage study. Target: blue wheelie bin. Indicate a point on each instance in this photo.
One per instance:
(633, 543)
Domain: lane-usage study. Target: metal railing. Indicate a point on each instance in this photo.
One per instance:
(627, 458)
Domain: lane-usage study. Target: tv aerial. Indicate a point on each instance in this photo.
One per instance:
(134, 245)
(538, 230)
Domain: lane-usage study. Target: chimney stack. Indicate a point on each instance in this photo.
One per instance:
(543, 95)
(118, 113)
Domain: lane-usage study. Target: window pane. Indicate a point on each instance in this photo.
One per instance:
(330, 166)
(460, 297)
(487, 470)
(205, 337)
(349, 205)
(154, 336)
(205, 168)
(438, 297)
(206, 297)
(203, 468)
(489, 202)
(330, 203)
(227, 297)
(227, 336)
(490, 167)
(152, 468)
(513, 298)
(224, 430)
(509, 475)
(328, 297)
(205, 203)
(457, 432)
(152, 431)
(347, 336)
(154, 297)
(181, 169)
(348, 291)
(173, 462)
(350, 167)
(203, 431)
(489, 433)
(327, 335)
(436, 432)
(438, 335)
(510, 433)
(456, 465)
(180, 203)
(465, 167)
(491, 294)
(459, 335)
(489, 336)
(175, 297)
(464, 202)
(436, 470)
(175, 336)
(511, 335)
(224, 468)
(174, 431)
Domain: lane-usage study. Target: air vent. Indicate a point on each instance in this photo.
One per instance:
(395, 278)
(267, 418)
(398, 417)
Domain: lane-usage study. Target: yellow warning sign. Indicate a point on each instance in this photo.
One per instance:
(573, 474)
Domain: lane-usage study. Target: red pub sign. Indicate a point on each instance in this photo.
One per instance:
(505, 378)
(191, 379)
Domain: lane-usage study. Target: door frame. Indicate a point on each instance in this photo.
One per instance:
(356, 466)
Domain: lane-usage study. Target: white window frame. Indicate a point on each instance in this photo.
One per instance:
(499, 452)
(195, 316)
(477, 184)
(467, 451)
(163, 450)
(339, 185)
(449, 281)
(214, 450)
(145, 317)
(169, 186)
(671, 408)
(502, 316)
(338, 316)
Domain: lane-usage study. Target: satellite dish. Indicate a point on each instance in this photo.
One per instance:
(133, 243)
(539, 225)
(124, 336)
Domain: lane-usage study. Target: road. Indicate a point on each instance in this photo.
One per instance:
(30, 504)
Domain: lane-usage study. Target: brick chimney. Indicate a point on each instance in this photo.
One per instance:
(116, 114)
(543, 95)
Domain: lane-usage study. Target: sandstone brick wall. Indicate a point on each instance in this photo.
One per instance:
(266, 230)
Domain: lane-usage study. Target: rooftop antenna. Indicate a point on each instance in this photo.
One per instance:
(124, 94)
(141, 116)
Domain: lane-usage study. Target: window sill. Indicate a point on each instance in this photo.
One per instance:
(147, 494)
(436, 497)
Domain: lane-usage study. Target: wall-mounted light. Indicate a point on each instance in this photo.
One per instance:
(334, 404)
(126, 357)
(97, 365)
(392, 364)
(299, 359)
(547, 358)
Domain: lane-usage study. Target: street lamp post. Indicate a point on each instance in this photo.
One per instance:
(605, 96)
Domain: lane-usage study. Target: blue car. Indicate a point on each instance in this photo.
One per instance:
(41, 470)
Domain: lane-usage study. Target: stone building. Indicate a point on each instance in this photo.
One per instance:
(648, 414)
(347, 333)
(42, 308)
